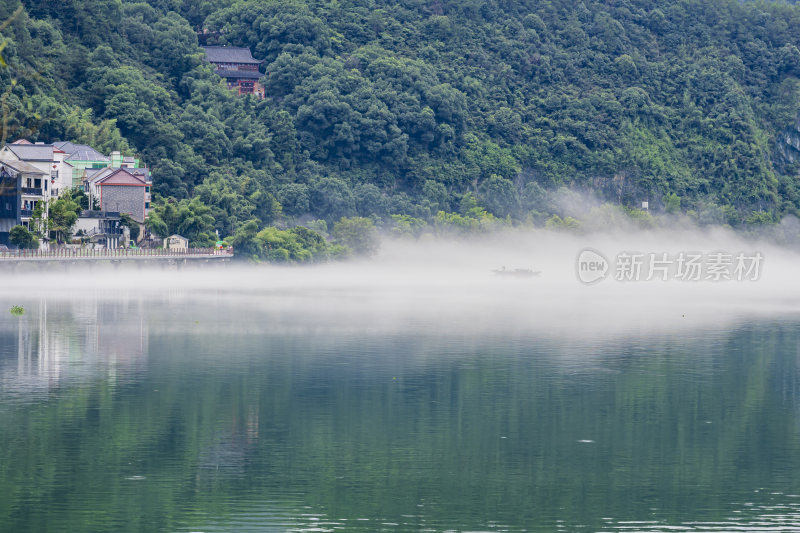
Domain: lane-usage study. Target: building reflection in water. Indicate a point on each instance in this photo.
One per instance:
(61, 342)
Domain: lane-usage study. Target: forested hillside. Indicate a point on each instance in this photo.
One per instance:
(470, 108)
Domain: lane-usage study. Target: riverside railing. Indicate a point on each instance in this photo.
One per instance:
(116, 253)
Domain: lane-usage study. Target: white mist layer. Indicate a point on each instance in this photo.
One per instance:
(448, 286)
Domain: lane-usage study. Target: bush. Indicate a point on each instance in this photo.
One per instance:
(23, 239)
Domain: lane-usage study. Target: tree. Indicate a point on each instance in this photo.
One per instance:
(23, 239)
(294, 199)
(436, 194)
(37, 223)
(499, 196)
(62, 216)
(555, 222)
(672, 203)
(81, 198)
(404, 108)
(189, 218)
(357, 233)
(270, 27)
(295, 245)
(132, 225)
(245, 243)
(370, 200)
(311, 241)
(331, 199)
(407, 226)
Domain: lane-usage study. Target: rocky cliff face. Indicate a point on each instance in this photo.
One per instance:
(787, 157)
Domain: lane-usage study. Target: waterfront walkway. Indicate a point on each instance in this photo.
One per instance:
(116, 255)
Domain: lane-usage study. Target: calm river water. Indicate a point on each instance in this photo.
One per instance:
(189, 411)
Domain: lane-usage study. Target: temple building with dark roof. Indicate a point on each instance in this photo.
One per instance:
(238, 67)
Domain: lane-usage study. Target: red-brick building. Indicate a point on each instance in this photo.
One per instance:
(238, 67)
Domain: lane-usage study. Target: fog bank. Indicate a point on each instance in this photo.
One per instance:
(449, 286)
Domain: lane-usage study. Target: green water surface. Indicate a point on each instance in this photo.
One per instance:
(162, 414)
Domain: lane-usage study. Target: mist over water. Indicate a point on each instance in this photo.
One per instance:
(416, 390)
(449, 285)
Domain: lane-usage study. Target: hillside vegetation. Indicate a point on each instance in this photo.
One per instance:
(435, 111)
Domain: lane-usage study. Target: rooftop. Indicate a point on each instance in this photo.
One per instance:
(80, 152)
(93, 174)
(230, 54)
(122, 176)
(32, 152)
(22, 166)
(144, 173)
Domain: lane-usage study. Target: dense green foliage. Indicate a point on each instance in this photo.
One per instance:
(23, 239)
(381, 109)
(57, 226)
(296, 245)
(358, 234)
(62, 216)
(189, 218)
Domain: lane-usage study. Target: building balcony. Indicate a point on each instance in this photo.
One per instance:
(94, 232)
(100, 214)
(26, 213)
(33, 191)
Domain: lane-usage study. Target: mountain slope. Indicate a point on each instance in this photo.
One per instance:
(379, 108)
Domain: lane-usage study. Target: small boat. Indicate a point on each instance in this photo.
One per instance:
(517, 272)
